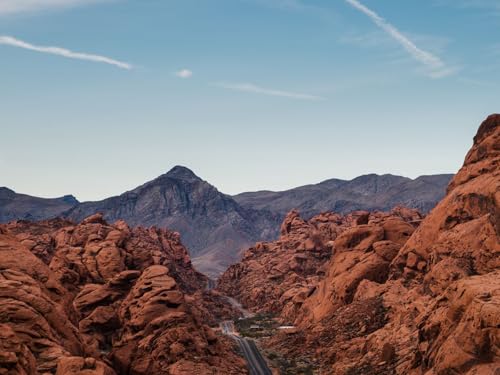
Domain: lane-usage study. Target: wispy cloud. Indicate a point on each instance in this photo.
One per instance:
(10, 41)
(436, 68)
(21, 6)
(252, 88)
(184, 73)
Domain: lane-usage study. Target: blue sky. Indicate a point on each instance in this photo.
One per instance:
(250, 94)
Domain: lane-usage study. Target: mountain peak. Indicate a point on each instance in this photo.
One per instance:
(70, 199)
(181, 172)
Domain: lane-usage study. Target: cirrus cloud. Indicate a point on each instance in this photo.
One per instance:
(255, 89)
(63, 52)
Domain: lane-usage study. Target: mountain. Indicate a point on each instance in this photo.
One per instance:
(213, 225)
(217, 227)
(368, 192)
(14, 206)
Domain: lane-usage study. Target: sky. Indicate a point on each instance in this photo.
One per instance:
(100, 96)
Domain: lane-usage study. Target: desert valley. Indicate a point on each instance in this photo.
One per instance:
(249, 187)
(358, 277)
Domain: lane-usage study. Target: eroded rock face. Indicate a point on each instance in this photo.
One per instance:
(427, 305)
(362, 252)
(101, 299)
(279, 276)
(461, 237)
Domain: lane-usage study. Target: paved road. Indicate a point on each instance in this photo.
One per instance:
(256, 363)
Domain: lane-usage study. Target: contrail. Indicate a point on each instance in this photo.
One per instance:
(250, 87)
(426, 58)
(10, 41)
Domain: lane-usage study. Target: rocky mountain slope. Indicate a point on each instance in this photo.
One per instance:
(101, 299)
(370, 192)
(216, 227)
(14, 206)
(389, 301)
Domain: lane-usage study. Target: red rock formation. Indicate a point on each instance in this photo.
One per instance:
(279, 276)
(104, 299)
(435, 308)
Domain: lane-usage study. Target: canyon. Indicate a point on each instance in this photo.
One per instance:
(413, 288)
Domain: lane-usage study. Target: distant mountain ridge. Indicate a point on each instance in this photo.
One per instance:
(367, 192)
(217, 227)
(14, 206)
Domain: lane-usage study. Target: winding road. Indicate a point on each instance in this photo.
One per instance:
(256, 363)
